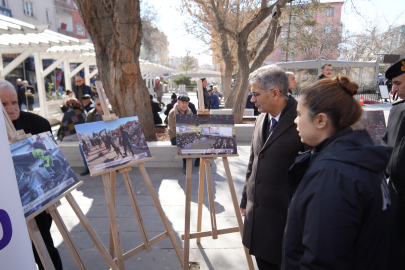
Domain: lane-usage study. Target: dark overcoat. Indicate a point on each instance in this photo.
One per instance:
(265, 195)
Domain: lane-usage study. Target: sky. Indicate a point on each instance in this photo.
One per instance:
(171, 22)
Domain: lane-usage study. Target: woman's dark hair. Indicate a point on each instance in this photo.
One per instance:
(174, 96)
(334, 97)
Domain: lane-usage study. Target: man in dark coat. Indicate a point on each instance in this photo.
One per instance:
(19, 88)
(80, 89)
(326, 71)
(275, 145)
(34, 124)
(125, 140)
(395, 137)
(155, 110)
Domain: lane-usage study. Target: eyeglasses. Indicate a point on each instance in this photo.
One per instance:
(255, 95)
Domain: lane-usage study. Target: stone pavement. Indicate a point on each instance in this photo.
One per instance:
(224, 253)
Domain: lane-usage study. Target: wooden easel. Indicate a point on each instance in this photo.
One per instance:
(109, 181)
(51, 208)
(205, 166)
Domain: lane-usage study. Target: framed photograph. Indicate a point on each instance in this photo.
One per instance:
(108, 145)
(205, 134)
(41, 170)
(384, 91)
(374, 123)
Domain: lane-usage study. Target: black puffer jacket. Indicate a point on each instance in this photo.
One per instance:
(340, 216)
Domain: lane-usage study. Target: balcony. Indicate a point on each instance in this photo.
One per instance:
(63, 7)
(5, 11)
(65, 32)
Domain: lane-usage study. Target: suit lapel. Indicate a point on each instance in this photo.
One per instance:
(285, 122)
(259, 130)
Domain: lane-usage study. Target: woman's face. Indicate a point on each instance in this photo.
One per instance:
(307, 128)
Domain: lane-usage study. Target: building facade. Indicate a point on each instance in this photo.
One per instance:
(327, 32)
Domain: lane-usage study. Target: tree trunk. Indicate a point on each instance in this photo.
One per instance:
(227, 56)
(232, 95)
(115, 28)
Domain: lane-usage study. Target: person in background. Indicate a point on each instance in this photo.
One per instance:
(87, 103)
(69, 95)
(180, 108)
(213, 98)
(219, 94)
(326, 72)
(275, 145)
(29, 93)
(19, 88)
(292, 82)
(192, 107)
(33, 124)
(155, 110)
(395, 137)
(206, 96)
(340, 216)
(170, 105)
(73, 116)
(80, 89)
(159, 91)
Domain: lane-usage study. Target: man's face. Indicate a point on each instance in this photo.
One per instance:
(398, 85)
(204, 83)
(215, 89)
(97, 104)
(79, 81)
(327, 71)
(10, 102)
(25, 84)
(292, 81)
(19, 82)
(183, 105)
(261, 98)
(86, 101)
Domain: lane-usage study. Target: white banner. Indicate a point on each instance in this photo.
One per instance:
(15, 245)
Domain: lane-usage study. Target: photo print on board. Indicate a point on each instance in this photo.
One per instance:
(42, 171)
(205, 134)
(108, 145)
(374, 123)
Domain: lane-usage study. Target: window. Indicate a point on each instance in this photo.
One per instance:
(48, 16)
(330, 12)
(328, 29)
(28, 8)
(80, 29)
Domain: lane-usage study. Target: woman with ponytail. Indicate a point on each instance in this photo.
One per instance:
(340, 214)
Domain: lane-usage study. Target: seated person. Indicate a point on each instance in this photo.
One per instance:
(170, 105)
(155, 110)
(69, 94)
(73, 116)
(87, 103)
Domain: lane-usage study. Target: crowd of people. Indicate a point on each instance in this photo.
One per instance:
(317, 195)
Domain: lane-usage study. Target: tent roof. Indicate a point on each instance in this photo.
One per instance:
(199, 73)
(315, 64)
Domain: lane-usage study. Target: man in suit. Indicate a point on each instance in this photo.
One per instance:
(275, 145)
(80, 89)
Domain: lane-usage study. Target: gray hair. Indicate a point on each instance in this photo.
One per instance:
(289, 73)
(269, 77)
(6, 84)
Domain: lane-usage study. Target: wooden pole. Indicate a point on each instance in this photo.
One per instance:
(187, 219)
(113, 178)
(200, 197)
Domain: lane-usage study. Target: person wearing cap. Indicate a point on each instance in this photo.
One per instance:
(395, 137)
(159, 91)
(155, 110)
(213, 98)
(180, 108)
(88, 104)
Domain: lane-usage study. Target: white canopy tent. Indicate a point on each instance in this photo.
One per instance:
(18, 37)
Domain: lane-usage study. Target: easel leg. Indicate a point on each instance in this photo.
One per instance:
(200, 198)
(39, 244)
(137, 211)
(53, 211)
(236, 207)
(113, 221)
(161, 212)
(210, 191)
(187, 221)
(113, 178)
(93, 235)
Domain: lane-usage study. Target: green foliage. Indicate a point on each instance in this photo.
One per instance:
(188, 64)
(183, 80)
